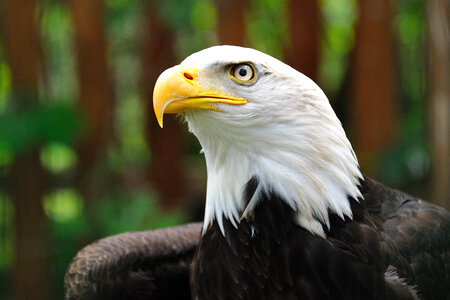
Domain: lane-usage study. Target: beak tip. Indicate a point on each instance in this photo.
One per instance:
(159, 119)
(159, 113)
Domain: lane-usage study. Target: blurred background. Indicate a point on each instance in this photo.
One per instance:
(81, 154)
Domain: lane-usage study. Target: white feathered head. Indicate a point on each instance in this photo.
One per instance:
(257, 117)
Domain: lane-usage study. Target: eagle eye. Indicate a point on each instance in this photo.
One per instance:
(243, 72)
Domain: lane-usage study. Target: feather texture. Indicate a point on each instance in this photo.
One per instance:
(396, 247)
(391, 249)
(139, 265)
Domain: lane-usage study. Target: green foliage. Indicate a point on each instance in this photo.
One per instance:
(56, 34)
(63, 205)
(132, 211)
(5, 86)
(176, 13)
(6, 155)
(203, 15)
(193, 22)
(408, 159)
(36, 125)
(132, 148)
(267, 26)
(57, 157)
(339, 17)
(125, 32)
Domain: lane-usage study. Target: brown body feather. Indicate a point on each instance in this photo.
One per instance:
(140, 265)
(396, 247)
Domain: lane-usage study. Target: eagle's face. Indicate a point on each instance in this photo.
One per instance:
(243, 96)
(236, 85)
(257, 117)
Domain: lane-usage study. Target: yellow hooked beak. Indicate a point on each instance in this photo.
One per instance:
(177, 90)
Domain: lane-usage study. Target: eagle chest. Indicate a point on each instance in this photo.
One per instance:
(271, 257)
(246, 263)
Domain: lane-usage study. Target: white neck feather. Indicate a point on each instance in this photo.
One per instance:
(300, 153)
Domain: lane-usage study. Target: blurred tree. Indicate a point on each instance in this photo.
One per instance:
(439, 95)
(231, 28)
(373, 82)
(166, 145)
(303, 50)
(95, 98)
(22, 46)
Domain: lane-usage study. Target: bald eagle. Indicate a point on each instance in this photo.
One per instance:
(288, 213)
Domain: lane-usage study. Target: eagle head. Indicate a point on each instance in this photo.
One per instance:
(256, 117)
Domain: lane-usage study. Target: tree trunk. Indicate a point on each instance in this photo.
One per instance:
(439, 97)
(166, 144)
(22, 44)
(31, 241)
(95, 98)
(303, 51)
(373, 87)
(232, 26)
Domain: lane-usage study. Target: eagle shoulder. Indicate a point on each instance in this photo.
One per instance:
(414, 236)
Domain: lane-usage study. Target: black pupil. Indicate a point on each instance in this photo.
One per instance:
(242, 72)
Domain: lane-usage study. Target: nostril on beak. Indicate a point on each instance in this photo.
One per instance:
(188, 76)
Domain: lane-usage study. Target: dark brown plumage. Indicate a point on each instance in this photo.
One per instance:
(138, 265)
(396, 247)
(392, 236)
